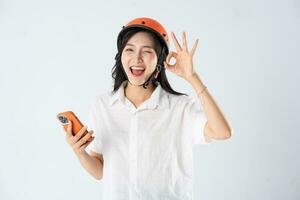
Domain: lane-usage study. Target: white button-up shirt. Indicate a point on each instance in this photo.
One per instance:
(147, 151)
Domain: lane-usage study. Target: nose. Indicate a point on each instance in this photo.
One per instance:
(137, 57)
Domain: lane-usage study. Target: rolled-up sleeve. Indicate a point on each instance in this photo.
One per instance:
(195, 121)
(93, 124)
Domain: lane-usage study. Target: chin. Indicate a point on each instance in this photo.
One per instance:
(137, 81)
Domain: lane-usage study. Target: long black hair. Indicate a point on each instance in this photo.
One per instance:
(118, 73)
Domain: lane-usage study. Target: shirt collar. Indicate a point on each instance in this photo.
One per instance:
(159, 97)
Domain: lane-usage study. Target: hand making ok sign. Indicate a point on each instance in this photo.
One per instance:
(183, 66)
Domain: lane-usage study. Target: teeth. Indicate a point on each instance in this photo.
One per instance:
(137, 68)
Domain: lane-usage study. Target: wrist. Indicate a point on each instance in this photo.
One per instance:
(203, 90)
(192, 78)
(197, 84)
(81, 154)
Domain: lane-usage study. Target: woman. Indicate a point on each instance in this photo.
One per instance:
(143, 130)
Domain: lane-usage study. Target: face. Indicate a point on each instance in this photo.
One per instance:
(139, 58)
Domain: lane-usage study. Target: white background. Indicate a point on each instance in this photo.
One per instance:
(57, 55)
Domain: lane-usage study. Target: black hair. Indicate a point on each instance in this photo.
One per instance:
(118, 73)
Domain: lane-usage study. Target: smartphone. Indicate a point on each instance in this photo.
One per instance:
(66, 117)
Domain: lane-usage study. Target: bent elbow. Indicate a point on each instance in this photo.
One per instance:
(98, 178)
(228, 134)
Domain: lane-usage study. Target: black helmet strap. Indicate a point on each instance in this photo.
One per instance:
(158, 68)
(154, 75)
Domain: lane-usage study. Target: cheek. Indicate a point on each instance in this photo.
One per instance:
(152, 61)
(123, 60)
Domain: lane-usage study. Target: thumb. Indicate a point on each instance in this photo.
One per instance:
(167, 66)
(70, 127)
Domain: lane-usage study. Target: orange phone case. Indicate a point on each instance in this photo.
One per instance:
(65, 117)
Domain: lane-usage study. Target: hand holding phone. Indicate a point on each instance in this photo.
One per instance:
(77, 135)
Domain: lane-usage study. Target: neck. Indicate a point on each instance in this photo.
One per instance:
(138, 94)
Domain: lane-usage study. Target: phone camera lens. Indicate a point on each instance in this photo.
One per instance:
(63, 119)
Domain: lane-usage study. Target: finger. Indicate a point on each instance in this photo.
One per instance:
(84, 132)
(80, 133)
(194, 47)
(91, 132)
(184, 45)
(172, 54)
(69, 129)
(177, 45)
(83, 140)
(167, 66)
(86, 144)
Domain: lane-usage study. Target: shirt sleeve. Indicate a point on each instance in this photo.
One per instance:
(93, 124)
(195, 121)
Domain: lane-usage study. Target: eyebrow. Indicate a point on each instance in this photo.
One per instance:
(143, 46)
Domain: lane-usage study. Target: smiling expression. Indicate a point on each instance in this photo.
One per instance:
(139, 58)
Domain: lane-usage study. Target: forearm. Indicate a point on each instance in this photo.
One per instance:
(215, 118)
(91, 164)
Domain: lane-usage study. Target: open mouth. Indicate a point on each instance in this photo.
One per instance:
(137, 71)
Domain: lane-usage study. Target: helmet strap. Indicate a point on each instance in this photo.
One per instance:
(154, 74)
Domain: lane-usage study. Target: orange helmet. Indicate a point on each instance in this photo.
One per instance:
(148, 24)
